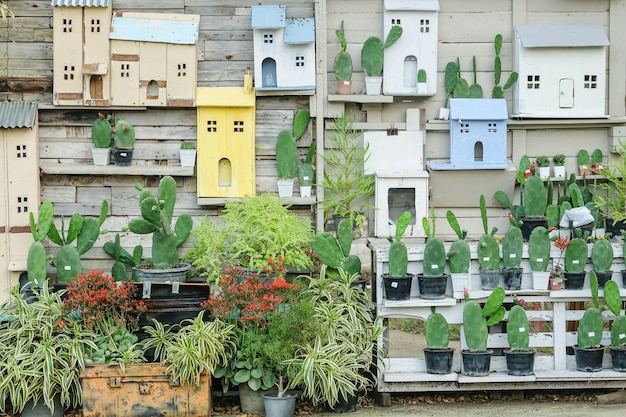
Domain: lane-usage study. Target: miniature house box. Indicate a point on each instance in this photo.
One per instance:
(19, 188)
(284, 50)
(478, 134)
(403, 186)
(154, 59)
(415, 50)
(81, 52)
(226, 126)
(562, 71)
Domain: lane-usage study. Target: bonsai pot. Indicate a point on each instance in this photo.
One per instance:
(476, 363)
(512, 278)
(618, 358)
(603, 277)
(574, 280)
(589, 359)
(122, 157)
(397, 288)
(489, 278)
(520, 362)
(438, 361)
(432, 288)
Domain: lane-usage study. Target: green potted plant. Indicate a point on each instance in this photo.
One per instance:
(543, 167)
(520, 359)
(422, 83)
(576, 256)
(372, 57)
(433, 280)
(588, 350)
(613, 301)
(512, 248)
(346, 187)
(488, 253)
(306, 172)
(342, 65)
(287, 153)
(559, 165)
(437, 354)
(188, 154)
(101, 138)
(459, 257)
(398, 281)
(539, 257)
(602, 260)
(252, 231)
(156, 218)
(334, 252)
(583, 162)
(612, 200)
(124, 137)
(498, 91)
(596, 161)
(476, 359)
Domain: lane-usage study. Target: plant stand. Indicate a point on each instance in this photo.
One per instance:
(520, 362)
(438, 361)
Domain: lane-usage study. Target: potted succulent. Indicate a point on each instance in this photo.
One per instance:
(589, 351)
(437, 354)
(559, 165)
(613, 301)
(488, 253)
(101, 138)
(372, 57)
(287, 153)
(252, 231)
(596, 161)
(306, 172)
(576, 256)
(543, 167)
(347, 189)
(512, 247)
(539, 257)
(612, 202)
(459, 256)
(602, 260)
(124, 136)
(422, 84)
(520, 359)
(397, 281)
(342, 65)
(188, 154)
(583, 162)
(433, 280)
(476, 359)
(157, 214)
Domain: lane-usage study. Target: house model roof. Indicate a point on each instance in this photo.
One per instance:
(425, 5)
(544, 36)
(300, 30)
(81, 3)
(151, 29)
(462, 109)
(18, 114)
(268, 17)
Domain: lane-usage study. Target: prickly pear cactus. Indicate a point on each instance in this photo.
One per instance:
(436, 331)
(459, 256)
(590, 328)
(576, 255)
(286, 155)
(37, 260)
(618, 331)
(512, 247)
(327, 249)
(612, 297)
(552, 215)
(398, 259)
(101, 131)
(434, 258)
(488, 253)
(68, 263)
(517, 329)
(124, 134)
(535, 199)
(493, 310)
(474, 326)
(372, 52)
(539, 249)
(602, 255)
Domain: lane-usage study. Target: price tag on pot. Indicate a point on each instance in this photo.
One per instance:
(434, 266)
(67, 267)
(539, 259)
(394, 285)
(305, 178)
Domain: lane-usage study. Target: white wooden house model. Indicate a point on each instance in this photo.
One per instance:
(416, 49)
(562, 71)
(284, 50)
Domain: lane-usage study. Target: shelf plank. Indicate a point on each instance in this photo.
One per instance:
(220, 201)
(53, 168)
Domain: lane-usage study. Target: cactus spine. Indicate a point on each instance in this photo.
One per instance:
(576, 255)
(459, 254)
(335, 253)
(156, 218)
(398, 257)
(436, 331)
(476, 319)
(124, 134)
(590, 326)
(512, 247)
(539, 249)
(517, 328)
(101, 131)
(602, 255)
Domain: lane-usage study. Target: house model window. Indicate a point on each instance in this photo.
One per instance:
(591, 81)
(410, 69)
(238, 126)
(22, 204)
(21, 151)
(533, 82)
(67, 25)
(268, 38)
(424, 25)
(211, 126)
(125, 70)
(182, 70)
(299, 61)
(396, 21)
(400, 200)
(68, 72)
(95, 25)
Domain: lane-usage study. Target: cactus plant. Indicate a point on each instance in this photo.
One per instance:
(124, 134)
(436, 331)
(372, 52)
(37, 259)
(476, 320)
(342, 65)
(613, 301)
(535, 198)
(512, 247)
(101, 131)
(498, 91)
(286, 148)
(517, 328)
(398, 257)
(602, 255)
(459, 254)
(306, 171)
(434, 252)
(335, 252)
(488, 249)
(576, 255)
(156, 218)
(421, 75)
(591, 323)
(539, 249)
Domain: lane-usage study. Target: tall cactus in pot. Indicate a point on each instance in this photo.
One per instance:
(488, 252)
(477, 319)
(459, 254)
(37, 259)
(398, 256)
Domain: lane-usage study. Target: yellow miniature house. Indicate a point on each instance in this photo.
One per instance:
(226, 119)
(19, 188)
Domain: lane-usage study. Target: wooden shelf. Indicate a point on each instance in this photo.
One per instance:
(53, 168)
(220, 201)
(359, 98)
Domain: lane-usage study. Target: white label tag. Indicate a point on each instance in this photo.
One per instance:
(346, 83)
(67, 268)
(622, 335)
(591, 334)
(305, 178)
(486, 258)
(394, 285)
(575, 261)
(434, 266)
(512, 255)
(522, 329)
(539, 259)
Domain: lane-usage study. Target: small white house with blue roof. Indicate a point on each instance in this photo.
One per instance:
(284, 50)
(478, 134)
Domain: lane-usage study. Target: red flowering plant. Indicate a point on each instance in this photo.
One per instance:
(110, 309)
(558, 272)
(251, 301)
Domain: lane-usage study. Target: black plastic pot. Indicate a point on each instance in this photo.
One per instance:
(618, 358)
(432, 288)
(589, 359)
(603, 277)
(344, 405)
(489, 278)
(529, 224)
(512, 278)
(397, 288)
(574, 280)
(476, 363)
(612, 228)
(122, 157)
(438, 361)
(585, 229)
(623, 273)
(520, 362)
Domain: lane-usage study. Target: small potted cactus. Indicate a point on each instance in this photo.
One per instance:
(583, 162)
(342, 65)
(539, 257)
(287, 153)
(124, 135)
(576, 256)
(372, 57)
(589, 351)
(398, 281)
(432, 281)
(188, 154)
(422, 84)
(613, 301)
(459, 258)
(543, 167)
(559, 165)
(488, 253)
(512, 247)
(101, 138)
(602, 260)
(535, 204)
(437, 354)
(306, 172)
(476, 359)
(520, 359)
(596, 161)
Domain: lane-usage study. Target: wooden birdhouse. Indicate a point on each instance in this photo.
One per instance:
(415, 50)
(226, 157)
(19, 187)
(562, 71)
(478, 134)
(284, 50)
(81, 52)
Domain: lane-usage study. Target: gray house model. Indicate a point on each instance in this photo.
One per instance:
(562, 71)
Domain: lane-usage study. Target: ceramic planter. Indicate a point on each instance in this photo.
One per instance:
(540, 280)
(252, 402)
(188, 158)
(275, 406)
(460, 281)
(559, 171)
(544, 172)
(422, 88)
(373, 85)
(101, 156)
(344, 87)
(554, 286)
(305, 190)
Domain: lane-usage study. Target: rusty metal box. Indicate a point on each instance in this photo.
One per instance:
(144, 390)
